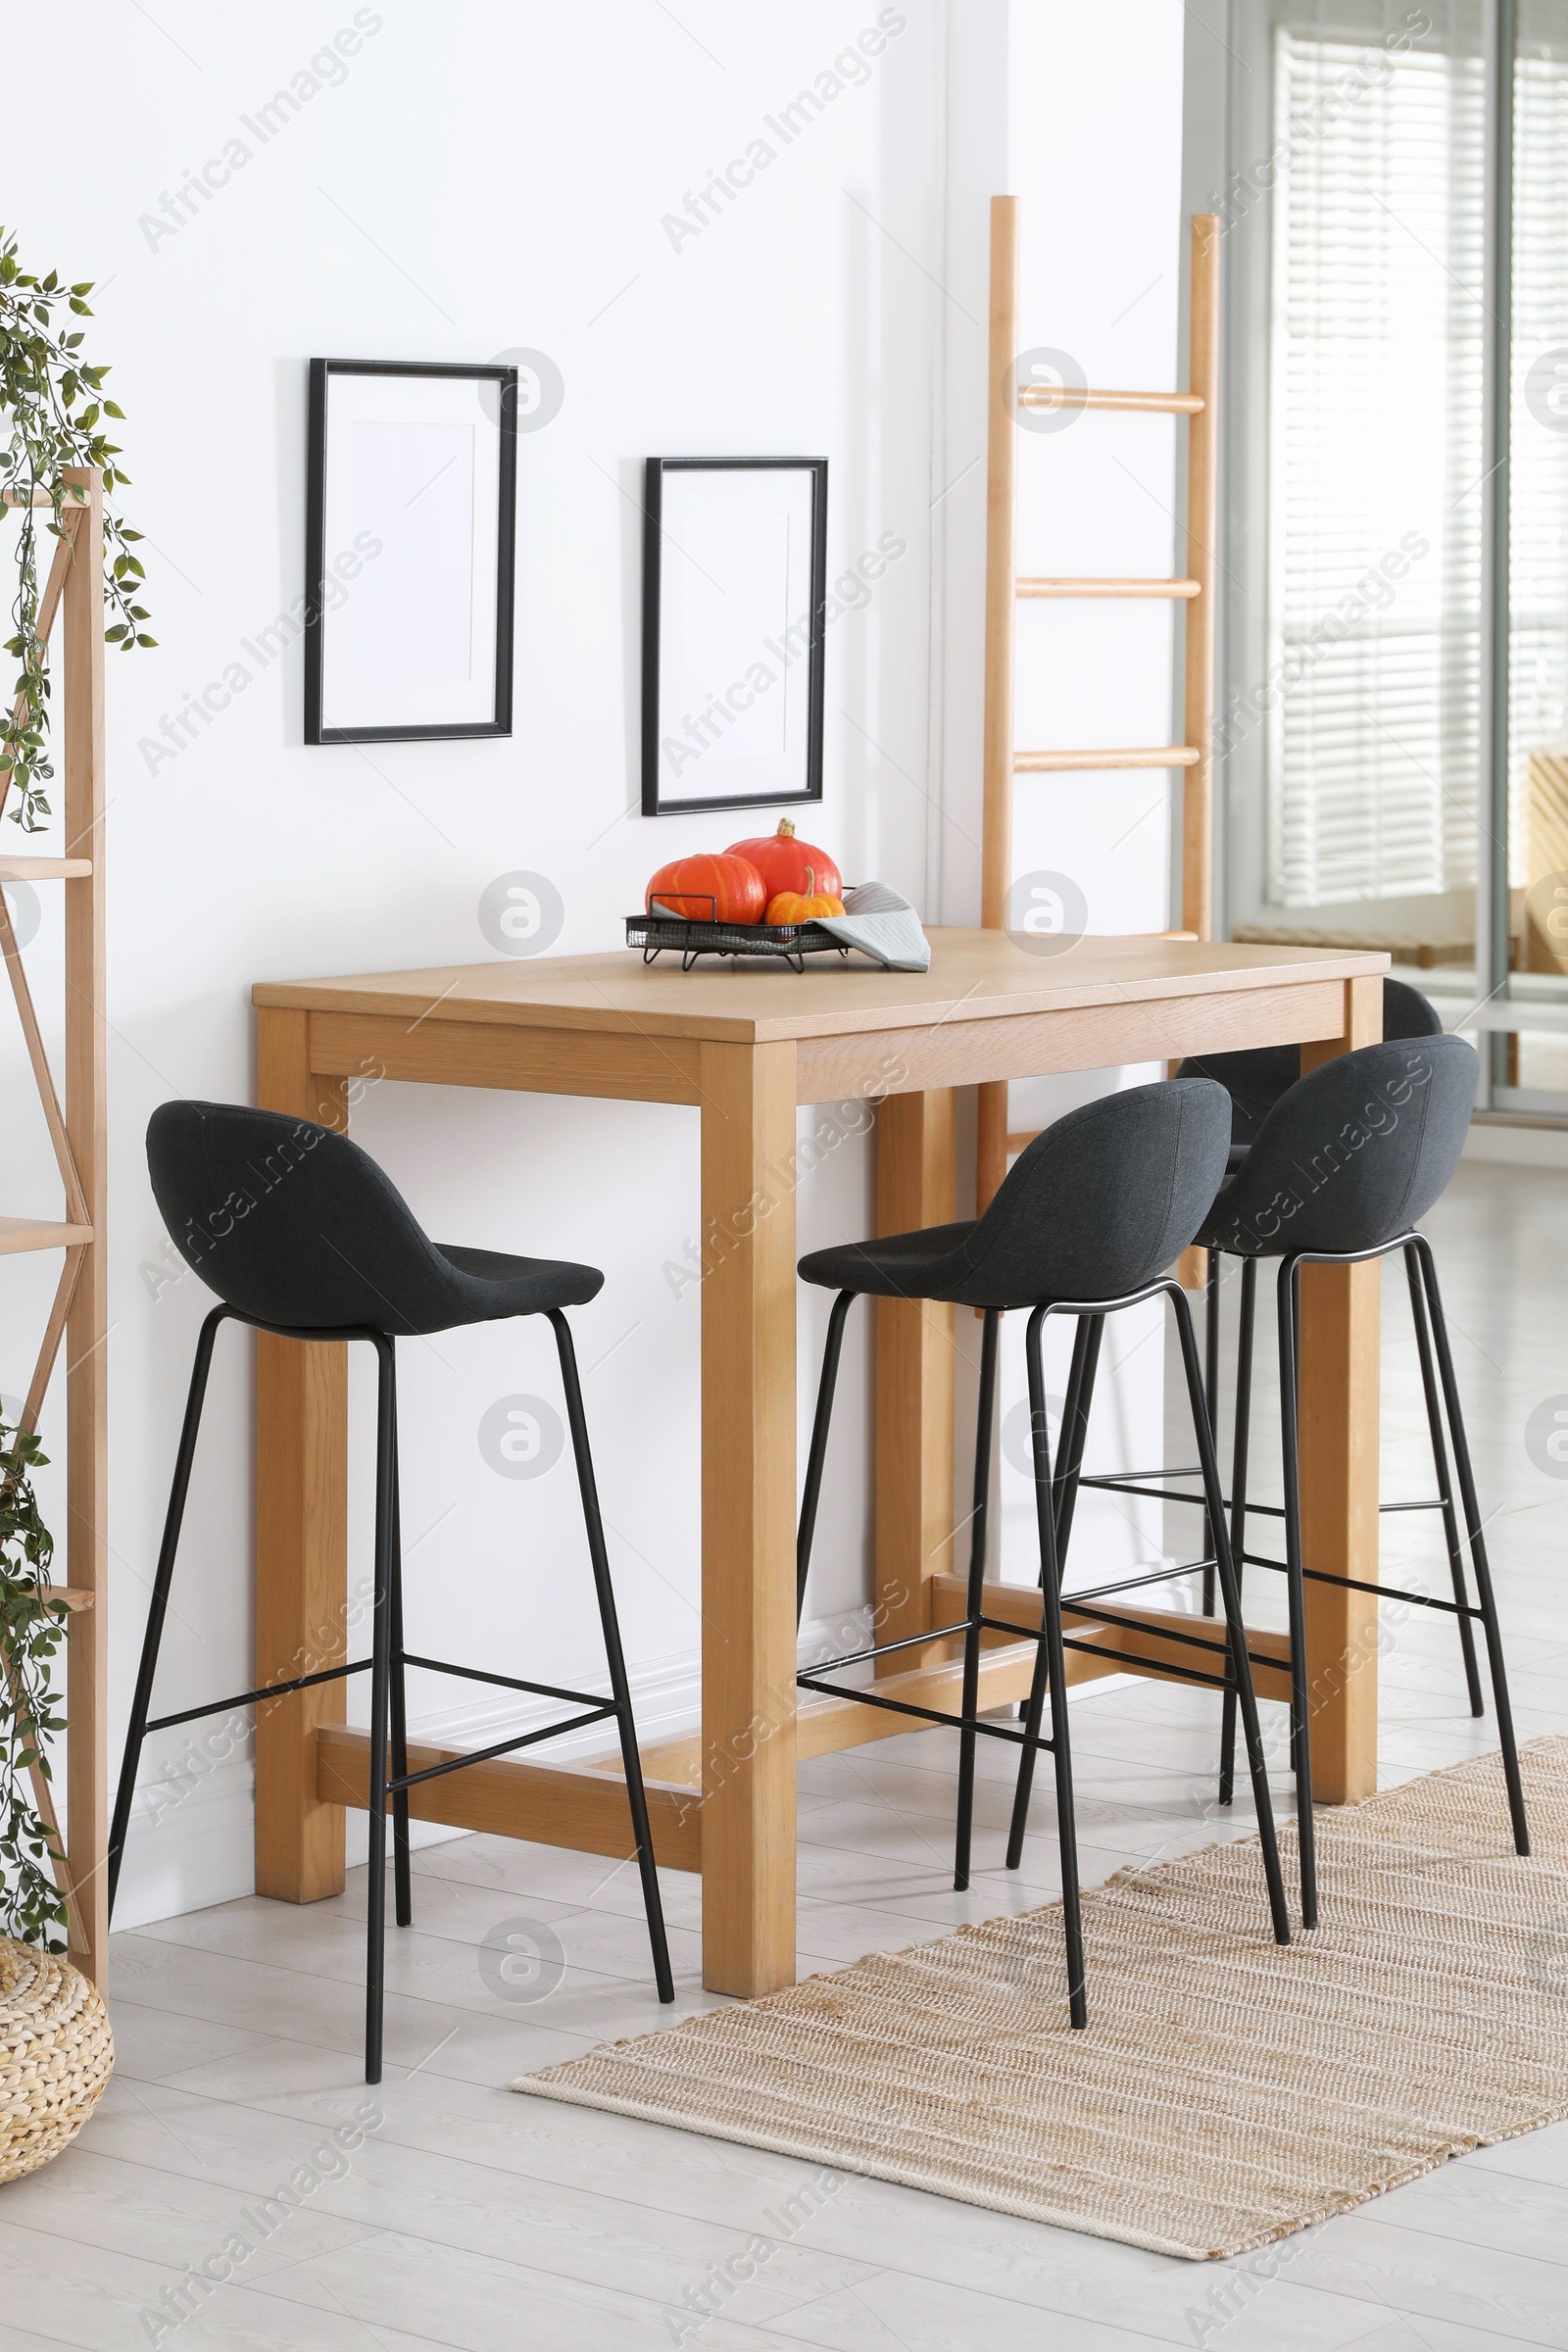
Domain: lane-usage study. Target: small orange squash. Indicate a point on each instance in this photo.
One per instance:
(710, 889)
(802, 906)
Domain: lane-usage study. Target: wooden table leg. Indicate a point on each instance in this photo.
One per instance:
(1338, 1429)
(748, 1307)
(301, 1537)
(915, 1186)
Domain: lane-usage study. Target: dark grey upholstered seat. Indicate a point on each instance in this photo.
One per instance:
(299, 1232)
(1079, 1214)
(1256, 1079)
(1352, 1153)
(292, 1223)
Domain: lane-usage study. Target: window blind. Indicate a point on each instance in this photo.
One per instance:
(1538, 501)
(1374, 476)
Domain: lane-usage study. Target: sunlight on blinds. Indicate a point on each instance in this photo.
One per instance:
(1375, 505)
(1538, 503)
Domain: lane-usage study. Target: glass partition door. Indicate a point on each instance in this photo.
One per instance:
(1530, 1071)
(1395, 730)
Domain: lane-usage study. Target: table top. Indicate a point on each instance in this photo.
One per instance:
(984, 974)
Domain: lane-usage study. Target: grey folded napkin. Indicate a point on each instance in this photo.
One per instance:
(880, 921)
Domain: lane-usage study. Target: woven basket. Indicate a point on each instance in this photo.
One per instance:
(56, 2055)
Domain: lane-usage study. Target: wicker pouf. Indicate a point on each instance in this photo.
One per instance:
(56, 2055)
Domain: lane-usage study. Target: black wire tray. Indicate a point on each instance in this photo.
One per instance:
(787, 943)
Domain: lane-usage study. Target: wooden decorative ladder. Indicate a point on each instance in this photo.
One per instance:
(80, 1317)
(1004, 590)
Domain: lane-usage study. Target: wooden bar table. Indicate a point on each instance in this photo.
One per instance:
(743, 1047)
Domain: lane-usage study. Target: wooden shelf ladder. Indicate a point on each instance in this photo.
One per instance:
(73, 593)
(1004, 590)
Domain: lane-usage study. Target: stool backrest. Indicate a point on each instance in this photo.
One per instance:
(1104, 1200)
(1353, 1153)
(292, 1223)
(1256, 1078)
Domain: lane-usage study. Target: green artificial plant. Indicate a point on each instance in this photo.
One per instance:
(32, 1630)
(52, 413)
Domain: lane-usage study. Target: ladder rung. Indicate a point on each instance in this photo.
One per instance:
(1069, 396)
(1173, 588)
(43, 496)
(40, 1232)
(44, 870)
(1170, 755)
(1018, 1142)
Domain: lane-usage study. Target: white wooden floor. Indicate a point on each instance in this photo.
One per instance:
(467, 2217)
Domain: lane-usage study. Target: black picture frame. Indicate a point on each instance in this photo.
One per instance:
(658, 798)
(316, 596)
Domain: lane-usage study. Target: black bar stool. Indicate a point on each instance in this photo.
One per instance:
(301, 1234)
(1338, 1172)
(1086, 1222)
(1256, 1080)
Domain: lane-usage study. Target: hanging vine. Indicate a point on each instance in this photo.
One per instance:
(52, 414)
(32, 1630)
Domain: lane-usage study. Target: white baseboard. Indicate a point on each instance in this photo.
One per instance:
(1501, 1144)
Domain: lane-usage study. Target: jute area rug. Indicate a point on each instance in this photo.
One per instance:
(1227, 2090)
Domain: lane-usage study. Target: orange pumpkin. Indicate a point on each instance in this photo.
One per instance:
(788, 864)
(710, 889)
(802, 906)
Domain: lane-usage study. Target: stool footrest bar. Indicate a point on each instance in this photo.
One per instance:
(886, 1649)
(1132, 1583)
(1131, 1486)
(252, 1699)
(902, 1706)
(504, 1682)
(1117, 1478)
(1355, 1584)
(502, 1747)
(1186, 1674)
(1139, 1624)
(1132, 1483)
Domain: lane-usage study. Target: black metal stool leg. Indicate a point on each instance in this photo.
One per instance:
(1300, 1733)
(163, 1577)
(1212, 1401)
(1244, 1427)
(1236, 1631)
(1070, 1407)
(1478, 1549)
(402, 1874)
(1075, 1429)
(976, 1595)
(818, 1453)
(1087, 1335)
(620, 1690)
(1050, 1670)
(1075, 1412)
(1439, 1464)
(386, 1438)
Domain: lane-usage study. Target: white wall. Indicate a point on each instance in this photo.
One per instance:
(1077, 111)
(476, 181)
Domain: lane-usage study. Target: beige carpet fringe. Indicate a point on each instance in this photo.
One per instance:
(1226, 2091)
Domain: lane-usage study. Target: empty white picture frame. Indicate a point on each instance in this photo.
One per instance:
(734, 591)
(409, 550)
